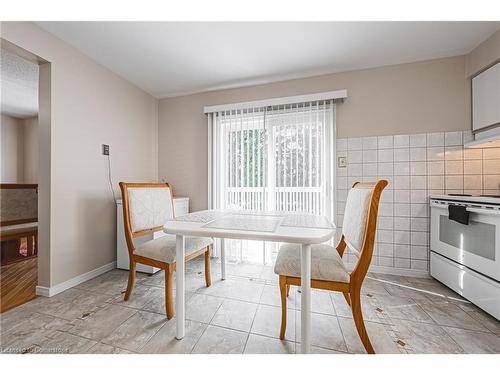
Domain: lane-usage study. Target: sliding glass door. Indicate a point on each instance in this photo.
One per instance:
(274, 158)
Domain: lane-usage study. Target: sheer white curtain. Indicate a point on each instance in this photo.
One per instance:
(272, 158)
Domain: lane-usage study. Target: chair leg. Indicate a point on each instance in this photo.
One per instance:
(131, 280)
(169, 291)
(347, 298)
(283, 292)
(358, 320)
(208, 276)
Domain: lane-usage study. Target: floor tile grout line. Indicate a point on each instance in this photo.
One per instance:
(476, 320)
(139, 349)
(253, 321)
(387, 324)
(207, 325)
(199, 338)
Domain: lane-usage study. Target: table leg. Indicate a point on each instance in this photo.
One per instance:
(305, 295)
(223, 258)
(179, 293)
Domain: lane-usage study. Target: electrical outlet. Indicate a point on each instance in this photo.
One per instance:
(342, 162)
(105, 149)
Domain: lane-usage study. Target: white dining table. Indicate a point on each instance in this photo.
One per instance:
(303, 229)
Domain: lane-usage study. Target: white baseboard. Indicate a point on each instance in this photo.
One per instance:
(56, 289)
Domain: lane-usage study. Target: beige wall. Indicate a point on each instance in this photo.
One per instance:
(89, 105)
(30, 132)
(12, 150)
(484, 55)
(19, 150)
(420, 97)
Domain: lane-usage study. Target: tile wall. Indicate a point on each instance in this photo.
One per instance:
(416, 166)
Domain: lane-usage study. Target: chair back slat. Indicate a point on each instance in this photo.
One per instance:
(146, 208)
(149, 207)
(360, 223)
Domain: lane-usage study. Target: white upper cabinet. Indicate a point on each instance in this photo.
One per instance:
(486, 98)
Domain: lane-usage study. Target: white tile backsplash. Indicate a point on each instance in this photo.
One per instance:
(418, 140)
(385, 155)
(453, 167)
(491, 166)
(491, 153)
(401, 154)
(354, 156)
(402, 168)
(355, 169)
(435, 182)
(453, 153)
(416, 166)
(435, 153)
(354, 143)
(386, 142)
(369, 156)
(418, 154)
(473, 182)
(370, 143)
(473, 154)
(401, 196)
(435, 139)
(401, 182)
(401, 141)
(341, 144)
(418, 182)
(454, 182)
(402, 224)
(453, 139)
(385, 168)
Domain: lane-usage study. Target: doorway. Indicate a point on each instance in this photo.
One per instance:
(21, 158)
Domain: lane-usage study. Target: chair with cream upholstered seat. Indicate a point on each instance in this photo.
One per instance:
(146, 208)
(328, 271)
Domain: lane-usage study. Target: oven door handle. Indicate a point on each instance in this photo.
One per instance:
(483, 211)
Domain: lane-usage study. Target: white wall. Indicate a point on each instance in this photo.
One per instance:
(89, 106)
(11, 150)
(30, 133)
(424, 96)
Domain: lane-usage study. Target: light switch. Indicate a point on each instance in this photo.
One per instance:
(342, 161)
(105, 149)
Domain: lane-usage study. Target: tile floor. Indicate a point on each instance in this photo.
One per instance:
(242, 315)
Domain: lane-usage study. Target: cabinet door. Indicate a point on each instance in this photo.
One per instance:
(486, 98)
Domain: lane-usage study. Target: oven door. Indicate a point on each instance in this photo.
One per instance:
(475, 245)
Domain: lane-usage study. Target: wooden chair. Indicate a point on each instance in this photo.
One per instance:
(146, 207)
(328, 271)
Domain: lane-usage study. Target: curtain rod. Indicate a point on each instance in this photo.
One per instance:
(328, 95)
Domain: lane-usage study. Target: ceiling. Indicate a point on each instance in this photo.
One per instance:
(19, 85)
(176, 58)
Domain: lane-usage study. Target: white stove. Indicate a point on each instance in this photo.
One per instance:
(482, 199)
(466, 257)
